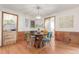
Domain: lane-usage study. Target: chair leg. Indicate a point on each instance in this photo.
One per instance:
(48, 44)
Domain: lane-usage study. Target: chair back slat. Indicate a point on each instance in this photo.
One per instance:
(49, 34)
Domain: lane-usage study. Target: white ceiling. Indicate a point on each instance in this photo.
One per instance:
(46, 9)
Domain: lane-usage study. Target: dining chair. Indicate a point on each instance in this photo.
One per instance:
(32, 37)
(47, 39)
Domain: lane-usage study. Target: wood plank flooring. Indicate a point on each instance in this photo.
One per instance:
(63, 48)
(21, 48)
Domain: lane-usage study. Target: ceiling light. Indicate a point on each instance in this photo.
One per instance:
(38, 15)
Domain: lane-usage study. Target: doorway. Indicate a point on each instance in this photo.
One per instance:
(50, 27)
(9, 28)
(49, 24)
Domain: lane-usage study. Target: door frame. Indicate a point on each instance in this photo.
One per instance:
(54, 24)
(16, 26)
(54, 21)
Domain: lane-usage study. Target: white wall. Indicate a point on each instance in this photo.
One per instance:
(71, 12)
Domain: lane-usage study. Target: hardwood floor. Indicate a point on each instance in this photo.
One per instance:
(17, 48)
(63, 48)
(21, 48)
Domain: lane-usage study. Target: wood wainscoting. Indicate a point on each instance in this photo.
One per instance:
(21, 36)
(68, 37)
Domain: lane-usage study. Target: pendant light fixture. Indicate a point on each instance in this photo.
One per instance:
(38, 13)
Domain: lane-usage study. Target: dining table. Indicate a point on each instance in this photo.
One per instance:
(38, 40)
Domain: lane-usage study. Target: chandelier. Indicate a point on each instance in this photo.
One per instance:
(38, 13)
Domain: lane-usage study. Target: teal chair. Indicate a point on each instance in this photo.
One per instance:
(47, 39)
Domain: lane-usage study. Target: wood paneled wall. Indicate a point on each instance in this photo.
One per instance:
(69, 37)
(21, 36)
